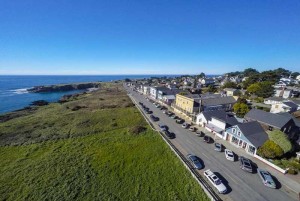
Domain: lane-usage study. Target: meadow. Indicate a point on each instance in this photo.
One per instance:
(66, 152)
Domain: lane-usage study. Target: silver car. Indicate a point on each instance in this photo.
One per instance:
(266, 178)
(195, 161)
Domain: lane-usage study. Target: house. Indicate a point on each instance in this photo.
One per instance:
(287, 106)
(154, 91)
(232, 92)
(270, 121)
(216, 121)
(207, 81)
(167, 95)
(187, 104)
(217, 103)
(295, 132)
(273, 100)
(145, 89)
(248, 136)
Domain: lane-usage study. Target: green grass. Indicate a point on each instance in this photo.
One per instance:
(89, 154)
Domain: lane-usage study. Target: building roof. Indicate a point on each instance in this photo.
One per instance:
(230, 89)
(275, 98)
(290, 104)
(218, 101)
(268, 118)
(220, 115)
(254, 133)
(288, 115)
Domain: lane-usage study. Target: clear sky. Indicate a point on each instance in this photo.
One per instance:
(148, 36)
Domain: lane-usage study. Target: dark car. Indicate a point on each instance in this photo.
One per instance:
(169, 134)
(218, 147)
(141, 103)
(163, 127)
(154, 118)
(245, 164)
(163, 108)
(207, 139)
(195, 161)
(199, 133)
(179, 121)
(148, 111)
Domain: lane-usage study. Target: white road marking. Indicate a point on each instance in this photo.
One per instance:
(205, 155)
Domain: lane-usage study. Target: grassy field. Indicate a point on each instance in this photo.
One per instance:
(89, 154)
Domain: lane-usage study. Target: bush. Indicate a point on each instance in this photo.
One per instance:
(281, 139)
(292, 171)
(137, 130)
(270, 150)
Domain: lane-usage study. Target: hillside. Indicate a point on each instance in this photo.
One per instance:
(85, 149)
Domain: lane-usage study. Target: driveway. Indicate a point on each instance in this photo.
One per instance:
(242, 185)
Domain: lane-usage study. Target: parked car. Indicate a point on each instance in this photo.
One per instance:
(165, 111)
(185, 125)
(216, 182)
(207, 139)
(229, 155)
(148, 111)
(163, 108)
(141, 103)
(163, 127)
(266, 178)
(169, 134)
(174, 116)
(169, 113)
(193, 129)
(199, 133)
(218, 147)
(245, 164)
(179, 121)
(195, 161)
(154, 118)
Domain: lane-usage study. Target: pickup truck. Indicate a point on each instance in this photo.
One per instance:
(215, 181)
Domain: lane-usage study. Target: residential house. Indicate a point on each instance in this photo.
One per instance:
(154, 92)
(187, 104)
(217, 103)
(287, 106)
(167, 95)
(232, 91)
(273, 100)
(270, 121)
(248, 136)
(207, 81)
(295, 133)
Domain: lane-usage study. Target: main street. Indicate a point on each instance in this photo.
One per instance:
(242, 186)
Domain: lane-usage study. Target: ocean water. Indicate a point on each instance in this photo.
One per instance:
(13, 94)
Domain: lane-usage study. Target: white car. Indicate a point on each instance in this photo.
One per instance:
(216, 182)
(229, 155)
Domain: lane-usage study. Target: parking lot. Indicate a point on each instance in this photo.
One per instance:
(241, 185)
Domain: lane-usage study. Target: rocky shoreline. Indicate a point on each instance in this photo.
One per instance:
(63, 87)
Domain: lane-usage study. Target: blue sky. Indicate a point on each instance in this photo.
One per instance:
(148, 37)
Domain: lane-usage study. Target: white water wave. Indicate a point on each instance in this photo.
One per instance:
(20, 91)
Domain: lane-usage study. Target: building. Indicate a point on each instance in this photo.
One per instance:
(154, 92)
(273, 100)
(287, 106)
(167, 95)
(248, 136)
(187, 104)
(216, 121)
(232, 92)
(270, 121)
(217, 103)
(207, 81)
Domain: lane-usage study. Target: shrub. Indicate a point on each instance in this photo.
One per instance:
(270, 150)
(292, 171)
(137, 130)
(281, 139)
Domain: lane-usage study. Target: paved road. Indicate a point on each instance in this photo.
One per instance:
(242, 185)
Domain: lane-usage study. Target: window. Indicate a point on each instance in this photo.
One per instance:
(239, 133)
(233, 130)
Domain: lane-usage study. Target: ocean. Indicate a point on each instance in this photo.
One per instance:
(14, 96)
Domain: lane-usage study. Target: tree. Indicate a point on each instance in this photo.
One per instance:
(229, 85)
(270, 150)
(127, 80)
(210, 88)
(294, 75)
(250, 71)
(254, 88)
(202, 75)
(251, 80)
(281, 139)
(282, 72)
(240, 109)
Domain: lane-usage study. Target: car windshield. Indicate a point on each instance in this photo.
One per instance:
(230, 154)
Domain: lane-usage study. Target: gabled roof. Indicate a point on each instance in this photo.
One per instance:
(288, 115)
(254, 133)
(290, 104)
(220, 115)
(268, 118)
(218, 101)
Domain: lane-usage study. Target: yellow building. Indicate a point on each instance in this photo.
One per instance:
(187, 104)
